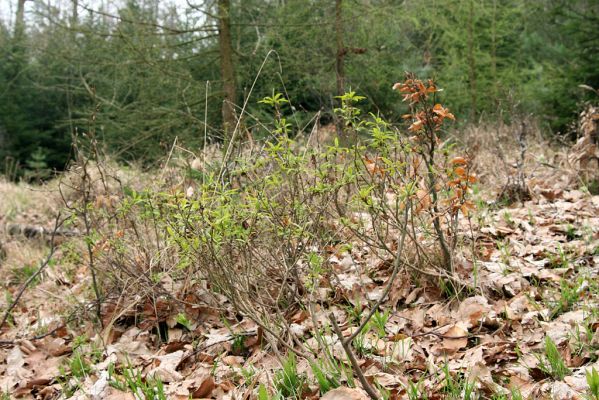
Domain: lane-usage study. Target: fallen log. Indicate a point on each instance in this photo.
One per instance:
(37, 231)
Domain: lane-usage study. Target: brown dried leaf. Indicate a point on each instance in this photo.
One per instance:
(205, 389)
(166, 367)
(344, 393)
(454, 339)
(474, 310)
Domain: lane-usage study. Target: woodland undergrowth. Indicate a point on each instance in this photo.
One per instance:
(265, 243)
(259, 230)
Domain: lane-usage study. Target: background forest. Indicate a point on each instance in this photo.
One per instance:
(143, 72)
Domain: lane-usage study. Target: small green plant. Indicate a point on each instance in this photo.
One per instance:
(8, 298)
(248, 373)
(590, 187)
(238, 346)
(516, 394)
(184, 321)
(348, 112)
(567, 297)
(277, 101)
(354, 312)
(552, 363)
(263, 393)
(22, 274)
(79, 366)
(68, 386)
(360, 343)
(214, 367)
(37, 166)
(505, 253)
(458, 387)
(450, 290)
(148, 388)
(116, 383)
(571, 233)
(76, 370)
(326, 381)
(593, 382)
(288, 382)
(531, 218)
(335, 369)
(415, 391)
(384, 393)
(70, 253)
(379, 322)
(316, 270)
(509, 220)
(561, 259)
(582, 339)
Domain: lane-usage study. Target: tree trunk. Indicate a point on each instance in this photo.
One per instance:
(18, 43)
(71, 71)
(472, 62)
(75, 13)
(339, 69)
(227, 71)
(20, 20)
(494, 54)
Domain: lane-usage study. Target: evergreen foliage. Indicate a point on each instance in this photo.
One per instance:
(147, 73)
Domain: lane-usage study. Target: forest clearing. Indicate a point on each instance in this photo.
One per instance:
(254, 200)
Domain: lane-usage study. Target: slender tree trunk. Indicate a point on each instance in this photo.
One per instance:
(227, 71)
(494, 53)
(472, 61)
(340, 58)
(75, 13)
(18, 43)
(340, 72)
(20, 20)
(71, 72)
(104, 16)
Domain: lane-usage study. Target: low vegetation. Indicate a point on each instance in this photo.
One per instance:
(387, 263)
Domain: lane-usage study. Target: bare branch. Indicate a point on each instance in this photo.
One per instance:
(352, 359)
(57, 224)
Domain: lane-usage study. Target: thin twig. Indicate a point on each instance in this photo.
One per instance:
(396, 264)
(57, 224)
(352, 359)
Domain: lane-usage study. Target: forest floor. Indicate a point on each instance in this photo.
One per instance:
(531, 328)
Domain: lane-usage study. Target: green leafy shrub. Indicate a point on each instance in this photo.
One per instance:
(256, 228)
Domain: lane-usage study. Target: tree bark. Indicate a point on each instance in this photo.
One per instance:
(340, 58)
(472, 61)
(340, 71)
(494, 54)
(75, 13)
(227, 69)
(18, 43)
(20, 20)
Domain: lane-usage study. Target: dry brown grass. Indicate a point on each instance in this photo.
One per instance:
(28, 205)
(21, 202)
(496, 151)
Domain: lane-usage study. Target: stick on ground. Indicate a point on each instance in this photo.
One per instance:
(43, 265)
